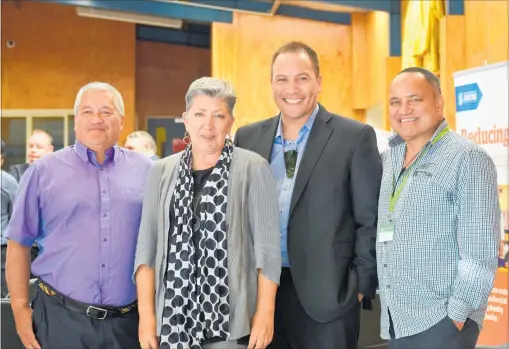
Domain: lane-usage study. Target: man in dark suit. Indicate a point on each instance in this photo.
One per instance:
(328, 171)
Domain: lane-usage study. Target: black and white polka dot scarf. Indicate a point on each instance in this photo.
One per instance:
(196, 306)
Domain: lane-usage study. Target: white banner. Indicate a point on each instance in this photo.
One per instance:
(482, 116)
(482, 112)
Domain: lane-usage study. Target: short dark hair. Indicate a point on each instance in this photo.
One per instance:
(431, 78)
(297, 47)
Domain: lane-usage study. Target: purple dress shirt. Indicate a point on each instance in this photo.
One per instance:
(85, 218)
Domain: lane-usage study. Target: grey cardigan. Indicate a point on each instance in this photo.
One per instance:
(253, 232)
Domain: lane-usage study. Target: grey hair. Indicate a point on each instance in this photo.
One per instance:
(212, 87)
(102, 86)
(148, 137)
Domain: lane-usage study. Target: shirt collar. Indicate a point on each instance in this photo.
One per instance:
(396, 139)
(88, 155)
(306, 128)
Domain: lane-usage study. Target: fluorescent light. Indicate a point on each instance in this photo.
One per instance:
(129, 17)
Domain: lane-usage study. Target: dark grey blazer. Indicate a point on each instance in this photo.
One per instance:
(17, 171)
(333, 212)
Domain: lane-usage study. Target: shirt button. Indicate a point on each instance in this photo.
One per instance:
(104, 239)
(105, 214)
(103, 265)
(281, 211)
(385, 265)
(388, 286)
(286, 187)
(104, 191)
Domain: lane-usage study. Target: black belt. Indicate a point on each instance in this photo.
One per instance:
(92, 311)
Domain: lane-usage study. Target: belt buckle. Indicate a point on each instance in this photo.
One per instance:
(105, 312)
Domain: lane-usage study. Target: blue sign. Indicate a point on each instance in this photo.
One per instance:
(468, 97)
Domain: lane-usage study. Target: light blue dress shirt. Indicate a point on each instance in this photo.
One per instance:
(284, 184)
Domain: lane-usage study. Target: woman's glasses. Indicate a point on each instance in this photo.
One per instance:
(290, 162)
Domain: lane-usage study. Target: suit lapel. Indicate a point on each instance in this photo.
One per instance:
(320, 134)
(266, 137)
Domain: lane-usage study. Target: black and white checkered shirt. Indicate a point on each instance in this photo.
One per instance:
(443, 257)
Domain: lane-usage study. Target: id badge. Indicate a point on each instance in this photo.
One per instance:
(386, 232)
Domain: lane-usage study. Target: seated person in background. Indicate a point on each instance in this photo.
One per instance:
(39, 144)
(208, 258)
(83, 205)
(143, 143)
(9, 188)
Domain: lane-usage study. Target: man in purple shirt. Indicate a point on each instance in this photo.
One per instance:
(82, 205)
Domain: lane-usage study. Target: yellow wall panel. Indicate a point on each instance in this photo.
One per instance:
(378, 51)
(163, 75)
(452, 59)
(360, 59)
(57, 52)
(391, 67)
(242, 53)
(486, 30)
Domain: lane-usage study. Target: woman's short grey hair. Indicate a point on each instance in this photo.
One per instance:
(212, 87)
(102, 86)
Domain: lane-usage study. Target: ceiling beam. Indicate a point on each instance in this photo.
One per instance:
(255, 6)
(370, 5)
(157, 8)
(455, 7)
(315, 15)
(171, 36)
(395, 34)
(275, 7)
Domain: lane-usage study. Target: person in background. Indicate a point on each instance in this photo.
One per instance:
(9, 188)
(328, 172)
(83, 206)
(143, 143)
(39, 144)
(439, 224)
(207, 259)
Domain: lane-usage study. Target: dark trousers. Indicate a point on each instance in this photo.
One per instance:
(56, 327)
(4, 290)
(295, 329)
(444, 335)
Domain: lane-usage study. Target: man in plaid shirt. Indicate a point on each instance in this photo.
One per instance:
(439, 224)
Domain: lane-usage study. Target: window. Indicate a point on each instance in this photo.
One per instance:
(18, 125)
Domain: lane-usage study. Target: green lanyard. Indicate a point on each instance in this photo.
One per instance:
(399, 189)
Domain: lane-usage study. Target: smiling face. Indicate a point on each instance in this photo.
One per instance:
(98, 123)
(415, 107)
(208, 121)
(295, 85)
